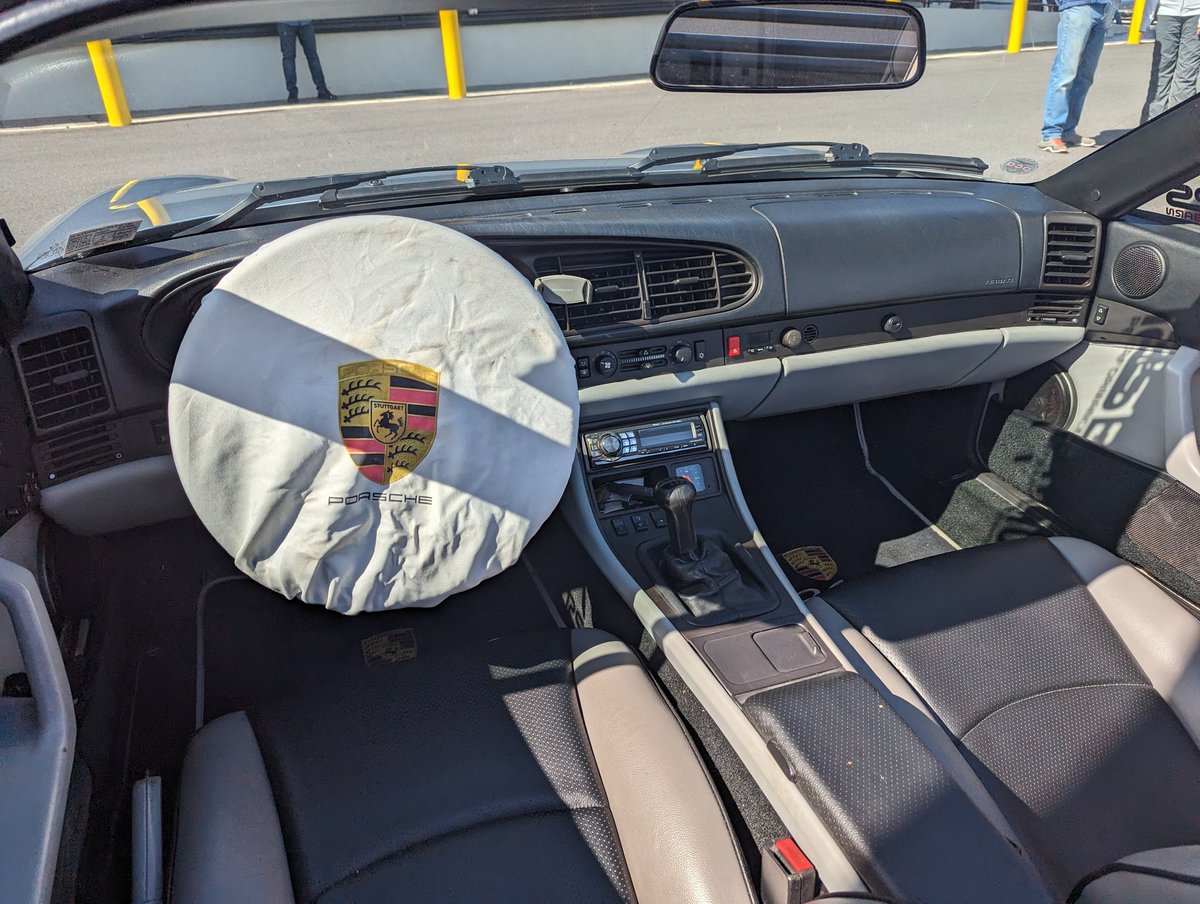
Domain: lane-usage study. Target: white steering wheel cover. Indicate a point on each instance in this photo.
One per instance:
(373, 412)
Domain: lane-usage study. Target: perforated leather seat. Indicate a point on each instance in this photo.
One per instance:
(1063, 688)
(540, 767)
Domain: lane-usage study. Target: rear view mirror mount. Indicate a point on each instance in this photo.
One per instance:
(788, 46)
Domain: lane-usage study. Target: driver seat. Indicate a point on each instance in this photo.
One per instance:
(543, 766)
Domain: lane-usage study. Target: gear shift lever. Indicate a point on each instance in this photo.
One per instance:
(699, 571)
(675, 496)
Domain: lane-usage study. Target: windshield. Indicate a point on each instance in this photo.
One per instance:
(147, 122)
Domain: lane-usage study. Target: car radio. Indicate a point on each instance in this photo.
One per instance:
(620, 445)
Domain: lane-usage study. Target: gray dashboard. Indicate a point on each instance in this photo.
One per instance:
(935, 276)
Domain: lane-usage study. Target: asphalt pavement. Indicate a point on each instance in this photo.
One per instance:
(987, 105)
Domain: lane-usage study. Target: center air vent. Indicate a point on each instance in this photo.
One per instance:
(640, 285)
(62, 376)
(1070, 260)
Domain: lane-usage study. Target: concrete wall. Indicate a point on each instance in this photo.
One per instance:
(59, 84)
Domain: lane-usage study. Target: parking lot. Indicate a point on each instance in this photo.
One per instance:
(988, 105)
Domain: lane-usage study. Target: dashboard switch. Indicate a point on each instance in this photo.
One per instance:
(681, 354)
(791, 338)
(699, 348)
(893, 324)
(606, 364)
(733, 347)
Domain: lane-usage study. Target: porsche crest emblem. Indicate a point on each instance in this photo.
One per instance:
(388, 416)
(812, 562)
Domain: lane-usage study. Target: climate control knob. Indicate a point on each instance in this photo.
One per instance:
(606, 364)
(610, 445)
(682, 354)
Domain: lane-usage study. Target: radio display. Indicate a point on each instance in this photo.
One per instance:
(665, 435)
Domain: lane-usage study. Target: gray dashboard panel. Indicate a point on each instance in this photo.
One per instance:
(864, 248)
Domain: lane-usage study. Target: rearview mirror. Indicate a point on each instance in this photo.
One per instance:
(789, 46)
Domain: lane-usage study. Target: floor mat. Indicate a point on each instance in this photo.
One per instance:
(819, 508)
(259, 645)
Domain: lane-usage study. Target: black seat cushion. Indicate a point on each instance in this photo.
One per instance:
(1014, 656)
(465, 775)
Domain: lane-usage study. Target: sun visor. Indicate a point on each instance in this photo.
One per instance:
(373, 412)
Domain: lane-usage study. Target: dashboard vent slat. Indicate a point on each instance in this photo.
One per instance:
(1051, 309)
(63, 379)
(645, 284)
(1070, 258)
(80, 451)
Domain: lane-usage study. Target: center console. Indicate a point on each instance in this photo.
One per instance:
(662, 499)
(837, 749)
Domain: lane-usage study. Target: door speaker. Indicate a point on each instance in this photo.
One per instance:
(1139, 270)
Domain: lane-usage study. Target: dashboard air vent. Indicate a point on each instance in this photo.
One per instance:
(688, 284)
(810, 333)
(63, 379)
(1049, 309)
(79, 451)
(616, 288)
(1070, 253)
(636, 285)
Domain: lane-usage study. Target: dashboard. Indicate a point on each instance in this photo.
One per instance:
(764, 297)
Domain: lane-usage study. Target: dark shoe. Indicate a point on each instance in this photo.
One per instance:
(326, 95)
(293, 97)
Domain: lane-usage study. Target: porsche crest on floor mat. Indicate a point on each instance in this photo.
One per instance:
(812, 562)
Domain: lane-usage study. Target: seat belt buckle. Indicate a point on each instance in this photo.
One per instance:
(788, 876)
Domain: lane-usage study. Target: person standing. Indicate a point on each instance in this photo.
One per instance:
(1176, 54)
(303, 30)
(1082, 26)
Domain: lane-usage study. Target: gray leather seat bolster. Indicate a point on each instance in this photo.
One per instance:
(229, 844)
(907, 703)
(1161, 635)
(677, 840)
(1164, 876)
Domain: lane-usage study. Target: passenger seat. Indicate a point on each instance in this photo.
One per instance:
(1068, 683)
(539, 767)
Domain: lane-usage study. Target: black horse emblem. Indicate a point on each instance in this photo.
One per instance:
(387, 428)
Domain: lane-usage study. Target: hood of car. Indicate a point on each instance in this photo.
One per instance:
(117, 213)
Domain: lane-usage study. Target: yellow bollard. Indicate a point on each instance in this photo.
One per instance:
(108, 79)
(1135, 22)
(456, 79)
(1016, 28)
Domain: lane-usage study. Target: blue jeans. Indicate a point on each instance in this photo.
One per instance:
(1081, 31)
(287, 46)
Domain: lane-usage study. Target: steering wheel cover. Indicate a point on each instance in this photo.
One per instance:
(467, 438)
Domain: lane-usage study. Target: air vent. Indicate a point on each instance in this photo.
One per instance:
(79, 451)
(679, 284)
(63, 379)
(810, 333)
(639, 285)
(1070, 253)
(616, 288)
(1053, 310)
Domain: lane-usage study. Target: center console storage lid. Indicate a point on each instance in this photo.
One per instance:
(908, 828)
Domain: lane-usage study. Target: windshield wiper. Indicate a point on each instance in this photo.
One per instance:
(688, 153)
(712, 158)
(288, 189)
(484, 180)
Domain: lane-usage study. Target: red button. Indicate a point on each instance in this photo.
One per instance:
(734, 347)
(792, 855)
